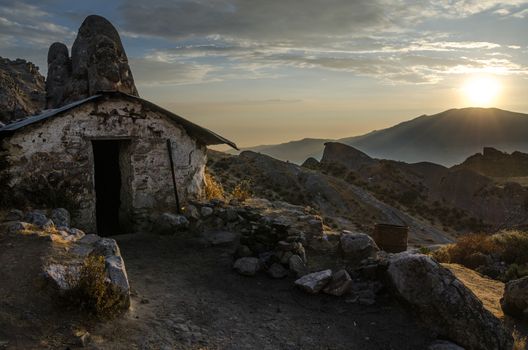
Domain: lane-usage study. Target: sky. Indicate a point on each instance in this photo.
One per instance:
(271, 71)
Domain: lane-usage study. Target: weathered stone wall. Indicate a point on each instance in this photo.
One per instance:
(51, 163)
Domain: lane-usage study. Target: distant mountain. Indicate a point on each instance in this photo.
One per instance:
(445, 138)
(22, 90)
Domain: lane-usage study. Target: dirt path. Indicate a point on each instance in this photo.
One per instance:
(185, 296)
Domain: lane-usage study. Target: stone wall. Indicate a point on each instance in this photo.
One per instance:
(51, 163)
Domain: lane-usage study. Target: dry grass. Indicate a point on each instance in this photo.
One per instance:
(509, 247)
(92, 292)
(242, 190)
(213, 189)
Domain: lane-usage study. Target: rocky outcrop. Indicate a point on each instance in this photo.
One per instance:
(98, 62)
(445, 304)
(494, 163)
(356, 246)
(22, 90)
(515, 299)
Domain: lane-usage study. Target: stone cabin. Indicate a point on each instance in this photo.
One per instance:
(113, 159)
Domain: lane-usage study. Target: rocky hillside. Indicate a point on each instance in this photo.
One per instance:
(457, 198)
(343, 204)
(444, 138)
(22, 90)
(494, 163)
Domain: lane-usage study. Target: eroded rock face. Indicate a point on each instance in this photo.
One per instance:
(98, 62)
(59, 74)
(446, 304)
(22, 90)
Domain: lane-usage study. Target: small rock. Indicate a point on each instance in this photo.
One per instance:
(61, 217)
(231, 215)
(192, 213)
(314, 282)
(18, 226)
(247, 266)
(444, 345)
(83, 339)
(285, 259)
(285, 246)
(277, 271)
(14, 215)
(339, 284)
(243, 251)
(220, 237)
(206, 211)
(37, 218)
(297, 265)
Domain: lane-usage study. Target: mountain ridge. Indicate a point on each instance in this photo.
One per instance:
(444, 138)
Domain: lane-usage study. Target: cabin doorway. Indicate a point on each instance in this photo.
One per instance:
(111, 164)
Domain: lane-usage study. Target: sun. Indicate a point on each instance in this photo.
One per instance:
(481, 91)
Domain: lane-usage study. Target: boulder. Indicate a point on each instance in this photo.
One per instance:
(277, 271)
(357, 246)
(89, 239)
(116, 271)
(167, 224)
(339, 284)
(297, 265)
(314, 282)
(63, 277)
(206, 211)
(247, 266)
(445, 304)
(515, 299)
(106, 247)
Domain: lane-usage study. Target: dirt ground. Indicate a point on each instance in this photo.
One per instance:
(186, 296)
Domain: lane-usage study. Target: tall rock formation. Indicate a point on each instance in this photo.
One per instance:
(22, 90)
(98, 62)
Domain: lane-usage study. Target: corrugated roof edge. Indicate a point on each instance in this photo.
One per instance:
(202, 134)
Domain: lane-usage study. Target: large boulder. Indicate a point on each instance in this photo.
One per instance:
(168, 223)
(314, 282)
(445, 304)
(515, 299)
(357, 246)
(60, 217)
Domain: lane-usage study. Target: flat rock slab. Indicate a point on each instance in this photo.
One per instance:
(314, 282)
(220, 237)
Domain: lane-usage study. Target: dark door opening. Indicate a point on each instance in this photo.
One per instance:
(107, 186)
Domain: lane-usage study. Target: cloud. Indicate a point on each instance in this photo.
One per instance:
(26, 25)
(151, 72)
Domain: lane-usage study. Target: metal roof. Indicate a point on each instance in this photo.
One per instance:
(203, 135)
